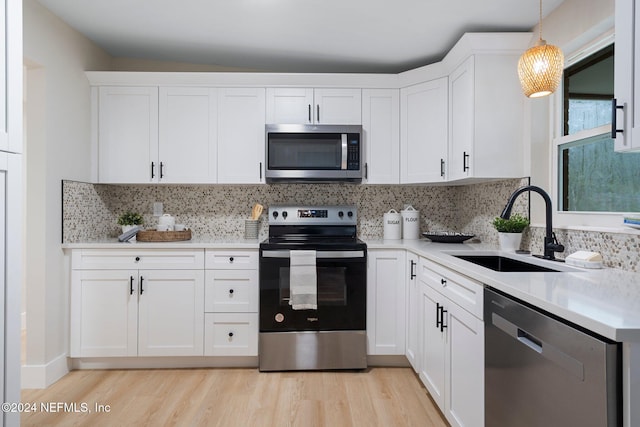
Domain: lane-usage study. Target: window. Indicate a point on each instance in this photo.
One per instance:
(592, 176)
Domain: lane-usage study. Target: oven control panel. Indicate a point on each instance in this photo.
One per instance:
(307, 215)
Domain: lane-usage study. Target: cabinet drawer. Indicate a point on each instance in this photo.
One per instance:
(231, 291)
(119, 259)
(231, 334)
(462, 290)
(232, 259)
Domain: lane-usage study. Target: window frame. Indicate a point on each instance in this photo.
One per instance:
(593, 221)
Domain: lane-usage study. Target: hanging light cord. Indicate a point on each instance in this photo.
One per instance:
(540, 23)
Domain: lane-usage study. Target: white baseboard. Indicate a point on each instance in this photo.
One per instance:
(165, 362)
(42, 376)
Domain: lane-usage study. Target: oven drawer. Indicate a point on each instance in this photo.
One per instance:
(462, 290)
(231, 334)
(124, 259)
(230, 291)
(235, 259)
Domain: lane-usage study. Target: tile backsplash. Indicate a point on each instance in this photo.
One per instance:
(90, 211)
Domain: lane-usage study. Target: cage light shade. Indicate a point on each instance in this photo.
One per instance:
(540, 69)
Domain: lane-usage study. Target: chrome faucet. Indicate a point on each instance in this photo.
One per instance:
(551, 244)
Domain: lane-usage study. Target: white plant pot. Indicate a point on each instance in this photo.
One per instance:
(509, 242)
(126, 228)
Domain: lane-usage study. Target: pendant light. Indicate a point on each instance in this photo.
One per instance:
(540, 67)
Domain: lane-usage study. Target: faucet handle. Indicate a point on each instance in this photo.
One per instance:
(554, 245)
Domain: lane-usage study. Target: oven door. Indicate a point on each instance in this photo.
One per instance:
(341, 292)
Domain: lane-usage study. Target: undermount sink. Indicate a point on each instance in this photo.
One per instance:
(504, 264)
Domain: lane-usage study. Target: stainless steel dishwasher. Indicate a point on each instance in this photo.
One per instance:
(543, 372)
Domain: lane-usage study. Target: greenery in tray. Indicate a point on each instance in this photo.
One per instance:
(516, 224)
(130, 218)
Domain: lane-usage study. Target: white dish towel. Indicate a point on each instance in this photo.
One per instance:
(303, 280)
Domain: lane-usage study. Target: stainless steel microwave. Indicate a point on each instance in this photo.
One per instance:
(317, 153)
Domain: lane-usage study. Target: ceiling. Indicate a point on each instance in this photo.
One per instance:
(380, 36)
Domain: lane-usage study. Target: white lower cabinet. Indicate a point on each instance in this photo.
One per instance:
(119, 309)
(413, 311)
(452, 351)
(116, 313)
(231, 303)
(386, 302)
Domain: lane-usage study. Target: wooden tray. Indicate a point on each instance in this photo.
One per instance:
(163, 236)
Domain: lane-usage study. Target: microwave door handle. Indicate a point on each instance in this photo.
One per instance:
(344, 151)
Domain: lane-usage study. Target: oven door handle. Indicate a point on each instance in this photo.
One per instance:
(319, 254)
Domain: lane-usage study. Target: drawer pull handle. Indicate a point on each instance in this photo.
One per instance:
(230, 291)
(230, 334)
(230, 259)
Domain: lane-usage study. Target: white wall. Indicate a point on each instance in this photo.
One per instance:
(57, 147)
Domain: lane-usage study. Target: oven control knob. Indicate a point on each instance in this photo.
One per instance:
(350, 214)
(279, 317)
(340, 214)
(284, 214)
(275, 214)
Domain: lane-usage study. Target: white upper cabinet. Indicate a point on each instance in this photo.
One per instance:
(486, 113)
(241, 134)
(128, 135)
(423, 132)
(626, 81)
(381, 134)
(188, 135)
(313, 106)
(11, 76)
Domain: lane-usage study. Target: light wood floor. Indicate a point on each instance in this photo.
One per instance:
(385, 397)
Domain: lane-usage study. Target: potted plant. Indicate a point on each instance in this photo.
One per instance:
(510, 231)
(129, 219)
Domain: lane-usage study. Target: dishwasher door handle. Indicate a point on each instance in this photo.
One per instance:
(546, 350)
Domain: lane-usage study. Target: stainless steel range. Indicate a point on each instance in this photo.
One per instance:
(313, 290)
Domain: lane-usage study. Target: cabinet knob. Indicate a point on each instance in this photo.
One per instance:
(230, 291)
(230, 259)
(137, 258)
(443, 282)
(230, 334)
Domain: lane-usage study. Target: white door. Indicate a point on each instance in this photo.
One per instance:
(11, 76)
(171, 313)
(423, 132)
(3, 275)
(381, 135)
(241, 136)
(386, 302)
(464, 368)
(338, 106)
(104, 313)
(188, 135)
(414, 329)
(432, 366)
(461, 121)
(290, 105)
(128, 135)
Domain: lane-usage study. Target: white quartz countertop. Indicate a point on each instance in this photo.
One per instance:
(605, 301)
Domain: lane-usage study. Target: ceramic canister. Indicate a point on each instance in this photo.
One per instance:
(166, 223)
(410, 223)
(392, 225)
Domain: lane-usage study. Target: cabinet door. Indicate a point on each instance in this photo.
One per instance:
(413, 312)
(433, 344)
(381, 130)
(627, 62)
(290, 105)
(464, 368)
(461, 120)
(423, 132)
(386, 302)
(171, 313)
(104, 313)
(188, 135)
(128, 135)
(241, 132)
(11, 76)
(338, 106)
